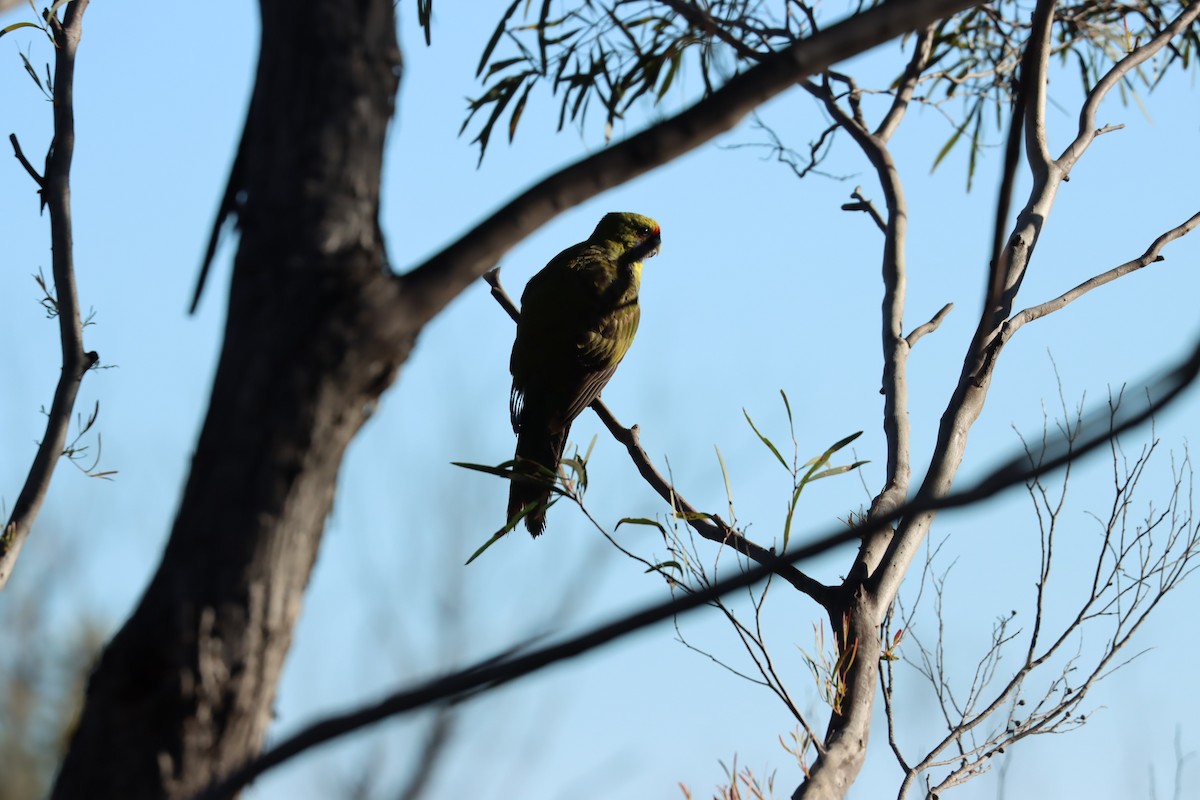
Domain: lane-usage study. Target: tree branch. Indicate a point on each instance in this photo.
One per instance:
(1008, 269)
(861, 203)
(928, 327)
(475, 679)
(1151, 256)
(20, 155)
(1035, 66)
(429, 287)
(1087, 115)
(907, 84)
(55, 189)
(710, 526)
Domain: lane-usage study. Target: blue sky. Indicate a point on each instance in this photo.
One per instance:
(763, 284)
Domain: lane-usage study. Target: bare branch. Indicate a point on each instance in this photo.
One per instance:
(861, 203)
(895, 227)
(33, 173)
(710, 526)
(1139, 55)
(1137, 563)
(56, 194)
(907, 84)
(1008, 269)
(507, 667)
(1152, 255)
(928, 327)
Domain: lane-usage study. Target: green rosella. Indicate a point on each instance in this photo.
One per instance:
(578, 318)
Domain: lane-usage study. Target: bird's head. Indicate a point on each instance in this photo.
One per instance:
(639, 236)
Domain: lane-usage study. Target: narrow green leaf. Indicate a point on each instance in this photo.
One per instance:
(504, 470)
(725, 475)
(17, 25)
(587, 454)
(660, 566)
(503, 93)
(976, 147)
(843, 442)
(32, 72)
(641, 521)
(502, 65)
(425, 18)
(496, 34)
(676, 59)
(946, 148)
(787, 523)
(837, 470)
(495, 538)
(823, 459)
(516, 112)
(541, 28)
(555, 40)
(770, 445)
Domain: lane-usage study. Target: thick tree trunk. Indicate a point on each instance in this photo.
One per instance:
(184, 691)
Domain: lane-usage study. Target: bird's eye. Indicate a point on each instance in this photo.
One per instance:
(644, 230)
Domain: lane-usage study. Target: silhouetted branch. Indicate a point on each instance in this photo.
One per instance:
(1096, 430)
(429, 287)
(55, 190)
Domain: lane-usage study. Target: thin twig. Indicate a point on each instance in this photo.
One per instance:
(861, 203)
(928, 327)
(33, 173)
(1152, 255)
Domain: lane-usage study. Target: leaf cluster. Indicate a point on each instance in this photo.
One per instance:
(976, 55)
(611, 54)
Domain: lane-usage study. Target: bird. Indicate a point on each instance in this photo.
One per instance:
(578, 318)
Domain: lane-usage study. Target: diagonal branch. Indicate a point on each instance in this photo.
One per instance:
(907, 84)
(56, 195)
(710, 526)
(929, 327)
(20, 155)
(1087, 115)
(1152, 255)
(429, 287)
(1097, 430)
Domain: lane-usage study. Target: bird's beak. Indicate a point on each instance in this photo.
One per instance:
(653, 244)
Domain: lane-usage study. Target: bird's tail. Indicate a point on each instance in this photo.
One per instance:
(538, 451)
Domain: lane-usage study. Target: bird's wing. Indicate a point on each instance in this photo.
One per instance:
(599, 353)
(568, 343)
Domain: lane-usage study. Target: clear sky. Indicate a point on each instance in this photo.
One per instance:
(763, 284)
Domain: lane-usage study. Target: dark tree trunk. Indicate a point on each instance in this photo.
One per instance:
(184, 691)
